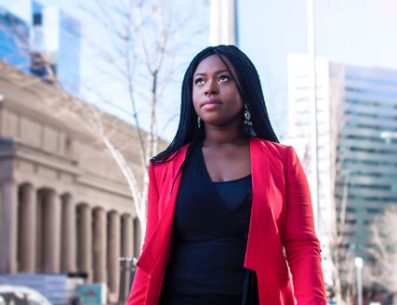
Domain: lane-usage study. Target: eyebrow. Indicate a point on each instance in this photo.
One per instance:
(217, 72)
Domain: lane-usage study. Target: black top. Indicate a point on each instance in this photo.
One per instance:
(210, 232)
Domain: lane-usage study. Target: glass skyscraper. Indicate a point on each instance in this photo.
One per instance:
(68, 53)
(14, 40)
(47, 45)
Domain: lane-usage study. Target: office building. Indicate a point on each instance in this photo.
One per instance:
(357, 148)
(14, 40)
(56, 41)
(49, 41)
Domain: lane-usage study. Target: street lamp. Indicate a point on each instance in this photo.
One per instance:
(359, 263)
(315, 180)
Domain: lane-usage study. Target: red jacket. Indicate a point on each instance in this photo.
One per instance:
(281, 219)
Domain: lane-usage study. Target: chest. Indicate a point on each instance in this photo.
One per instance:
(226, 164)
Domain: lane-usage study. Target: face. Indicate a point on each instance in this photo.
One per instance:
(216, 99)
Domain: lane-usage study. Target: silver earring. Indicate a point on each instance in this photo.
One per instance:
(248, 126)
(199, 122)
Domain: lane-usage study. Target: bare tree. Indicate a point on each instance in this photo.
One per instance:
(383, 271)
(138, 49)
(146, 40)
(341, 257)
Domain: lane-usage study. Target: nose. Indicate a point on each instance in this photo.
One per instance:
(211, 87)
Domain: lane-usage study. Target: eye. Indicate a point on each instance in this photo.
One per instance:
(224, 78)
(199, 81)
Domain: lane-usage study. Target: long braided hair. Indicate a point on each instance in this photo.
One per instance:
(250, 90)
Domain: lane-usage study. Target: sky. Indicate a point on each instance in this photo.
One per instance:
(354, 32)
(99, 82)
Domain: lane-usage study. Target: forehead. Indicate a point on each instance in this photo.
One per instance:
(213, 63)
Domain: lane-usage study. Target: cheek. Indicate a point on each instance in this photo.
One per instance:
(239, 102)
(195, 99)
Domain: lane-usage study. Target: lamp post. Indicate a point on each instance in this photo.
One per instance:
(359, 263)
(313, 114)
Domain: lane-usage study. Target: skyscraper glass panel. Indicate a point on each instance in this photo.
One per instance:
(68, 54)
(14, 40)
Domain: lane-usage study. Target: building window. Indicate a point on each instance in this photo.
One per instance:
(374, 210)
(37, 19)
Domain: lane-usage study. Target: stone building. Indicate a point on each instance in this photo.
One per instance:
(64, 204)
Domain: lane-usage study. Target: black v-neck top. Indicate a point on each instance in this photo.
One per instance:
(210, 232)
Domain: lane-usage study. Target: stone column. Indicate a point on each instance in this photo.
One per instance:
(53, 233)
(68, 235)
(127, 242)
(126, 252)
(28, 219)
(137, 237)
(100, 270)
(85, 241)
(114, 252)
(9, 227)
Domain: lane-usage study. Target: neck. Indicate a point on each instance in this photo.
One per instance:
(215, 136)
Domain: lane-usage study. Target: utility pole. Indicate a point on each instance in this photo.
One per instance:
(313, 115)
(223, 22)
(359, 263)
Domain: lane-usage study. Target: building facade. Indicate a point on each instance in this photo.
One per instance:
(64, 205)
(357, 148)
(56, 36)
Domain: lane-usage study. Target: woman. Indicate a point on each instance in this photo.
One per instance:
(229, 213)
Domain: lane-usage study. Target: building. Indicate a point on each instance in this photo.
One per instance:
(14, 40)
(299, 135)
(56, 37)
(65, 206)
(50, 44)
(357, 148)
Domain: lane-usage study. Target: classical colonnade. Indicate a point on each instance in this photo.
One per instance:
(49, 232)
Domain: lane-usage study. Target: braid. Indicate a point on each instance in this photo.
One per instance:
(249, 87)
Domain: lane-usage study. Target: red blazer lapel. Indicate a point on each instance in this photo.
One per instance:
(264, 247)
(168, 176)
(266, 202)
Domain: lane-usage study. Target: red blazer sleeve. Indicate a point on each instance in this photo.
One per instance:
(300, 240)
(139, 286)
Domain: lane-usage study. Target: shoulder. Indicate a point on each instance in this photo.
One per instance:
(281, 158)
(173, 161)
(272, 149)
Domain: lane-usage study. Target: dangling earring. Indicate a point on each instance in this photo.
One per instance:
(248, 127)
(198, 122)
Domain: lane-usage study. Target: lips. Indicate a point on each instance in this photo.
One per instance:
(211, 103)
